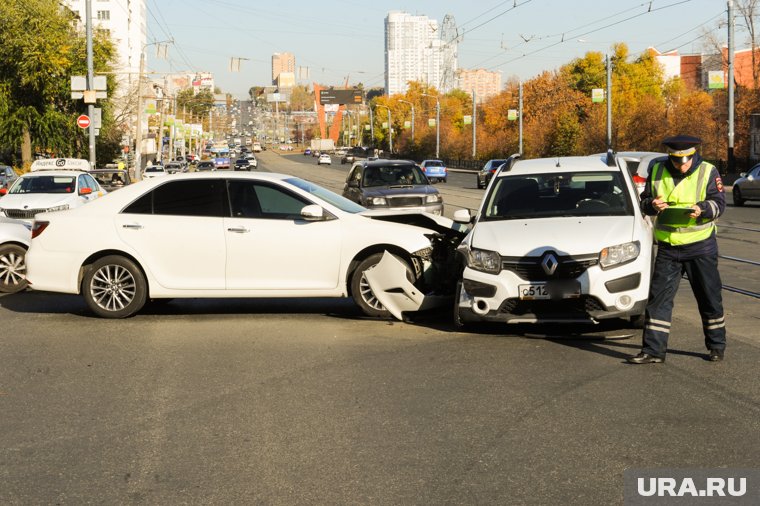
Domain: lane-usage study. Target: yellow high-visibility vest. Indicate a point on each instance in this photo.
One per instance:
(689, 191)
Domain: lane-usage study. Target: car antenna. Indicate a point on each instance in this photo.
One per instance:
(611, 158)
(558, 165)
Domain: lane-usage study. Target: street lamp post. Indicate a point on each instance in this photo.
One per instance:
(437, 123)
(390, 127)
(412, 105)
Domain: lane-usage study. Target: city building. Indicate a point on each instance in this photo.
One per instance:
(483, 82)
(126, 23)
(417, 48)
(695, 69)
(282, 62)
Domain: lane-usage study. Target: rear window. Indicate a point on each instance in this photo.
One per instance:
(434, 164)
(552, 194)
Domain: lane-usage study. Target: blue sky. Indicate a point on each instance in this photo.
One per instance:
(343, 39)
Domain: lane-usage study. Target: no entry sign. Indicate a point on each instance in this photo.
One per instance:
(83, 121)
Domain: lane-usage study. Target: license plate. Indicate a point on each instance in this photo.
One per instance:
(544, 291)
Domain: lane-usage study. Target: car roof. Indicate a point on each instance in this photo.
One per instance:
(558, 164)
(61, 173)
(61, 164)
(383, 162)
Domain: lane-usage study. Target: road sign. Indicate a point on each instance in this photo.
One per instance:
(83, 121)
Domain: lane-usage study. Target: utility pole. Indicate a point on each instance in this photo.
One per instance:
(520, 118)
(437, 122)
(90, 81)
(609, 102)
(731, 162)
(474, 125)
(412, 106)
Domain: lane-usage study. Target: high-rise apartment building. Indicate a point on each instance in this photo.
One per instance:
(282, 62)
(125, 21)
(416, 49)
(483, 82)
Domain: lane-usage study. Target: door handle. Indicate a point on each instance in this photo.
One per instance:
(135, 226)
(238, 230)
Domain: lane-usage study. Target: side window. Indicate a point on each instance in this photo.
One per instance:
(355, 174)
(90, 181)
(278, 204)
(756, 173)
(198, 197)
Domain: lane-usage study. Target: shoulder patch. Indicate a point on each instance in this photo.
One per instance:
(719, 183)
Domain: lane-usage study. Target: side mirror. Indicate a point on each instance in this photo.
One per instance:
(3, 191)
(85, 191)
(353, 183)
(313, 212)
(462, 216)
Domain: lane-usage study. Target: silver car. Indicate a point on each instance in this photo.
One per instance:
(747, 187)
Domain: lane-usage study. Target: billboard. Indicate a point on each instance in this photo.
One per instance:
(333, 96)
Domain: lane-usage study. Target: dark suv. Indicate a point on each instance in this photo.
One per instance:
(392, 184)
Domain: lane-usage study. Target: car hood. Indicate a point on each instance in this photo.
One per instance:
(386, 191)
(34, 200)
(563, 235)
(419, 219)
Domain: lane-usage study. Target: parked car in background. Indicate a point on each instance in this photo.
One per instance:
(435, 170)
(111, 179)
(392, 184)
(252, 160)
(175, 167)
(325, 159)
(54, 184)
(747, 187)
(205, 165)
(15, 236)
(263, 235)
(556, 240)
(486, 173)
(7, 176)
(154, 171)
(638, 163)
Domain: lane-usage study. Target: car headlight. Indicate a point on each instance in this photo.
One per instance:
(619, 254)
(57, 208)
(433, 199)
(378, 201)
(484, 260)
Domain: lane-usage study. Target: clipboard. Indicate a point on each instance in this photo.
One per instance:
(677, 216)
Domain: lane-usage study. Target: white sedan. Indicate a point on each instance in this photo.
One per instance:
(324, 158)
(231, 234)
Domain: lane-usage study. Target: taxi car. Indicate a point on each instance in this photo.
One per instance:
(556, 240)
(51, 185)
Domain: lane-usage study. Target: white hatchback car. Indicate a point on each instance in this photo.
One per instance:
(52, 185)
(325, 159)
(225, 234)
(559, 240)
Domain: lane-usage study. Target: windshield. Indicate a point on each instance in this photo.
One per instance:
(44, 184)
(394, 175)
(155, 168)
(558, 194)
(338, 201)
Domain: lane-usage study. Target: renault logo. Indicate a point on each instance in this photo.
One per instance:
(549, 263)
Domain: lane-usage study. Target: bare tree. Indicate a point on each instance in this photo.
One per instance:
(748, 10)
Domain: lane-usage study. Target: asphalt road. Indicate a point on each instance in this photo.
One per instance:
(308, 402)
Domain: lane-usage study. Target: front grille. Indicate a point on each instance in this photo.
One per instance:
(567, 308)
(530, 269)
(22, 214)
(405, 201)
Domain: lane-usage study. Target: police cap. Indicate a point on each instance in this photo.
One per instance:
(681, 147)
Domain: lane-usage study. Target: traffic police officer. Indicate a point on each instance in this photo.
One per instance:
(686, 243)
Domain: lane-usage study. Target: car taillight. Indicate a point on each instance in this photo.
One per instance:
(38, 227)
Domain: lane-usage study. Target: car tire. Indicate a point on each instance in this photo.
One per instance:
(480, 186)
(12, 268)
(114, 287)
(738, 200)
(361, 291)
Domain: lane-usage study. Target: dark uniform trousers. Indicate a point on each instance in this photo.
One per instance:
(705, 282)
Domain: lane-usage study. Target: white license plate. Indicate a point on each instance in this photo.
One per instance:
(533, 291)
(542, 291)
